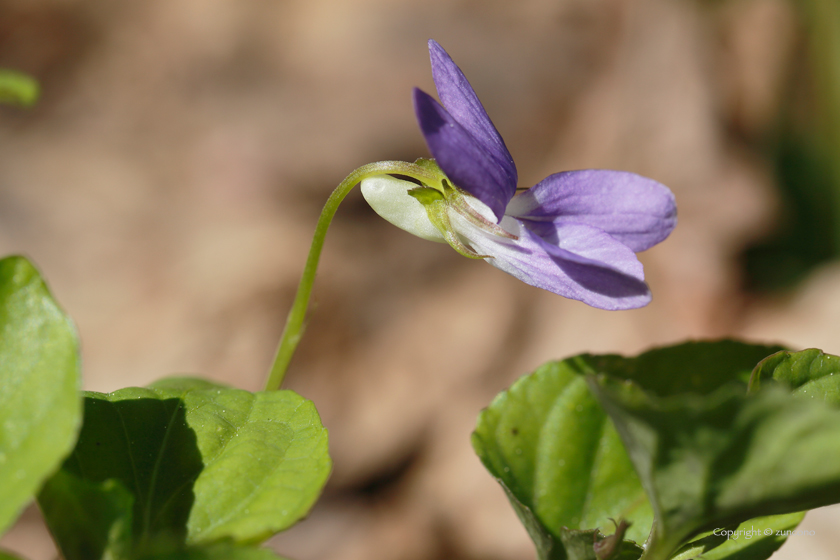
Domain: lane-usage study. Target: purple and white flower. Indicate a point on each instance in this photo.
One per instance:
(575, 233)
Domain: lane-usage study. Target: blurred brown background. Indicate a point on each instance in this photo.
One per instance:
(168, 182)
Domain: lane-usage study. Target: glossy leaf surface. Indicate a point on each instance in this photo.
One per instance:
(203, 463)
(553, 449)
(810, 373)
(40, 406)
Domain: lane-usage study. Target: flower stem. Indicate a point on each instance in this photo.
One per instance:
(293, 331)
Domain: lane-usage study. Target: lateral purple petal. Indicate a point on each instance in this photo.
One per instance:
(588, 265)
(637, 211)
(459, 98)
(461, 156)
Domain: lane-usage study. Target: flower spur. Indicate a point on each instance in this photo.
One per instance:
(575, 233)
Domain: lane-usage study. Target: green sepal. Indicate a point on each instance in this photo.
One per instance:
(440, 197)
(426, 195)
(434, 170)
(437, 209)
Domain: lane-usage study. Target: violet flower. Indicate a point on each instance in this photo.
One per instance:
(575, 233)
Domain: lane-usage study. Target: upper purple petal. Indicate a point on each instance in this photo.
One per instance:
(637, 211)
(580, 262)
(461, 156)
(459, 98)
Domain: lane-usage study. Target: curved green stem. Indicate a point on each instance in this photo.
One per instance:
(297, 315)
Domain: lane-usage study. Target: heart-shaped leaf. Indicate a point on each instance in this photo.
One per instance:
(266, 462)
(557, 455)
(204, 463)
(40, 406)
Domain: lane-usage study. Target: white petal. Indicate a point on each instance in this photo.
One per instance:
(481, 208)
(390, 199)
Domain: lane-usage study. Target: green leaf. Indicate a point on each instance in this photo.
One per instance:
(17, 88)
(88, 520)
(543, 540)
(690, 367)
(555, 452)
(204, 463)
(809, 373)
(140, 438)
(266, 461)
(40, 407)
(717, 460)
(8, 556)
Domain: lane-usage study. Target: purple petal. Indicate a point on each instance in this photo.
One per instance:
(464, 160)
(580, 262)
(636, 210)
(459, 98)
